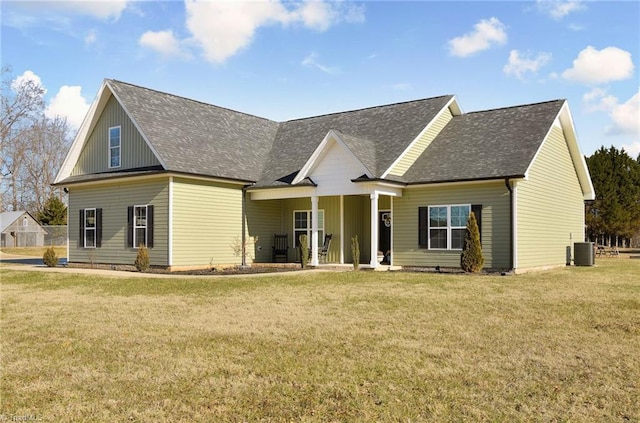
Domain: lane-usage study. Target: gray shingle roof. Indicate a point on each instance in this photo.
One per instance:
(198, 138)
(376, 135)
(484, 145)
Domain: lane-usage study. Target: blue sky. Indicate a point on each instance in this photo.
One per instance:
(289, 59)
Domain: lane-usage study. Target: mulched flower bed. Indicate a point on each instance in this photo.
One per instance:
(248, 270)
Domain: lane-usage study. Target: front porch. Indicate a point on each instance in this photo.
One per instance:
(369, 217)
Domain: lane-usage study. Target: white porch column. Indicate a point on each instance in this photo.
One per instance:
(392, 226)
(374, 229)
(342, 229)
(314, 230)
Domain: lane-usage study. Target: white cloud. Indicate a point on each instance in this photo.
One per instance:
(625, 116)
(485, 34)
(312, 62)
(558, 9)
(519, 63)
(91, 37)
(598, 100)
(632, 149)
(68, 103)
(101, 9)
(27, 77)
(164, 42)
(222, 28)
(402, 86)
(594, 66)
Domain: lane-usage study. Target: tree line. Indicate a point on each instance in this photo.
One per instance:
(33, 146)
(613, 218)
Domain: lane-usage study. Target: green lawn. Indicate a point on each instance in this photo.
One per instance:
(560, 345)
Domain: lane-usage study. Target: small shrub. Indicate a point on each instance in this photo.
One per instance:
(304, 251)
(50, 258)
(355, 252)
(471, 259)
(142, 262)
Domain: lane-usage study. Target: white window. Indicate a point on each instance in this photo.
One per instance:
(302, 224)
(139, 226)
(89, 228)
(447, 225)
(114, 146)
(25, 221)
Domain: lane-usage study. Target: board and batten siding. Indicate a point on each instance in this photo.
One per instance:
(494, 198)
(422, 143)
(134, 151)
(263, 219)
(207, 223)
(550, 206)
(114, 198)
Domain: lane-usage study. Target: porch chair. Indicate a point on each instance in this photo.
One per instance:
(324, 250)
(280, 248)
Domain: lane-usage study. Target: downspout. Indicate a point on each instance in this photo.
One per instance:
(507, 183)
(244, 224)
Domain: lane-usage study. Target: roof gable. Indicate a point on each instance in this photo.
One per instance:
(329, 143)
(565, 122)
(198, 138)
(9, 218)
(376, 136)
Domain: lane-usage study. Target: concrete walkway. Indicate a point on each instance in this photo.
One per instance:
(34, 264)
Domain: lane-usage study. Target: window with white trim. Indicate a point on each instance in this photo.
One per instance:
(114, 146)
(447, 226)
(139, 226)
(90, 228)
(302, 224)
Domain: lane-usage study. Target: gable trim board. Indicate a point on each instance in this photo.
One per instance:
(564, 122)
(321, 150)
(352, 162)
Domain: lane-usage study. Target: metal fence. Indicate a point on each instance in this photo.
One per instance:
(34, 236)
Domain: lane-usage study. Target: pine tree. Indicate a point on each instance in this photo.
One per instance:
(616, 210)
(471, 259)
(54, 212)
(142, 262)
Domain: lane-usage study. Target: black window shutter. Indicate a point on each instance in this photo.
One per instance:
(149, 226)
(98, 228)
(81, 230)
(422, 227)
(477, 211)
(130, 226)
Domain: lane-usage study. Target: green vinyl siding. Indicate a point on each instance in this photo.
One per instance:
(134, 151)
(494, 198)
(331, 207)
(113, 199)
(264, 219)
(207, 222)
(421, 144)
(357, 221)
(550, 210)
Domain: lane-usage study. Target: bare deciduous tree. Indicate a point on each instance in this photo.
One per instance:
(32, 145)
